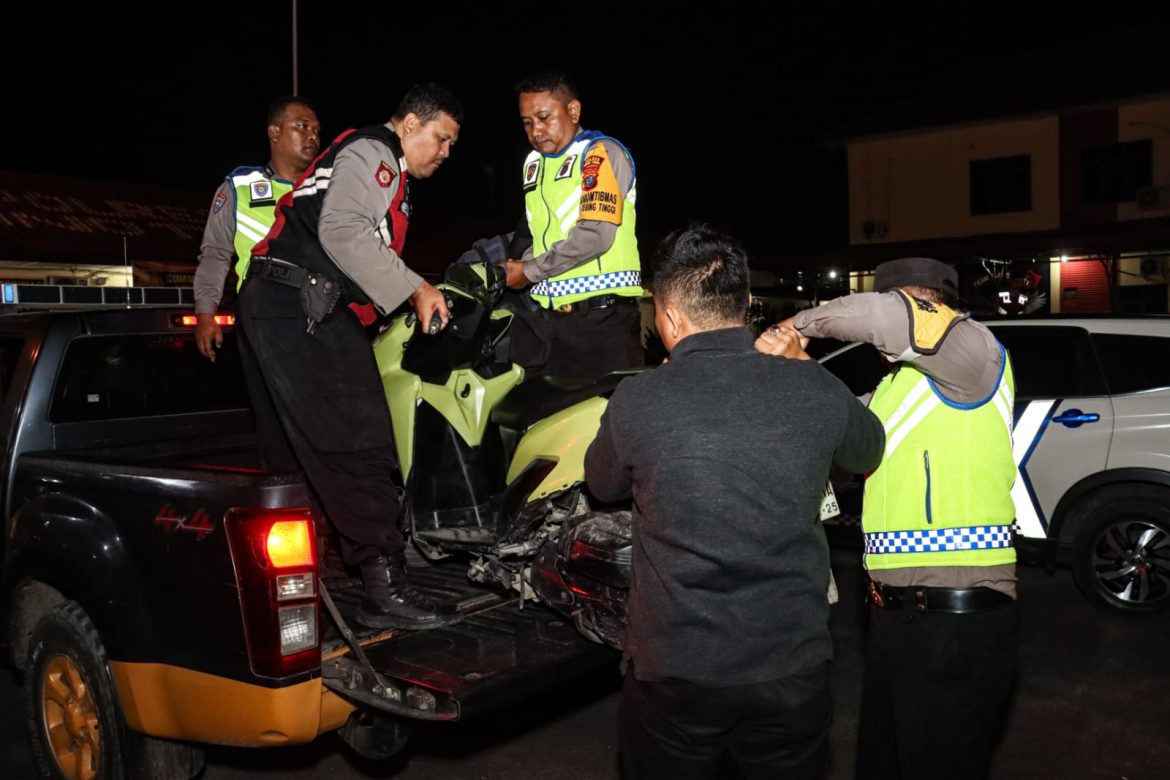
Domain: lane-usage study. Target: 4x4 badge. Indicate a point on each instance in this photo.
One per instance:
(199, 523)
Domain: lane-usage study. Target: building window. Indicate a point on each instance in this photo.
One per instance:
(1113, 173)
(1001, 185)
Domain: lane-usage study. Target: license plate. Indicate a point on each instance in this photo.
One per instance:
(829, 506)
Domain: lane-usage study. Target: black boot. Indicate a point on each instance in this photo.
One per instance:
(389, 601)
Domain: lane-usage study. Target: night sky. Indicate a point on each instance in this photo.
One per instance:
(726, 112)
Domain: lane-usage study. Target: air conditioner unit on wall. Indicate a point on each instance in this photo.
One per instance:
(1154, 268)
(1153, 198)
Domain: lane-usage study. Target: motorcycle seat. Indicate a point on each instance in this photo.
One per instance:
(541, 396)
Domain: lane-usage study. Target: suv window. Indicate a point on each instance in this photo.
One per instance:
(140, 375)
(1051, 361)
(1133, 363)
(860, 368)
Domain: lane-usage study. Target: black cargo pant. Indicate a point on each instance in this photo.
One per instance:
(676, 730)
(935, 690)
(319, 406)
(578, 345)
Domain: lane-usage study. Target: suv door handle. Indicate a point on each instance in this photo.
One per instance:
(1074, 418)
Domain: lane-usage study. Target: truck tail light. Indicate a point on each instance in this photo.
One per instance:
(290, 543)
(275, 559)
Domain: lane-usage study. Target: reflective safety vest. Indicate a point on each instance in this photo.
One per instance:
(256, 194)
(942, 494)
(553, 186)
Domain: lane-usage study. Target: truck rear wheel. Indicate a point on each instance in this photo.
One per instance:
(74, 720)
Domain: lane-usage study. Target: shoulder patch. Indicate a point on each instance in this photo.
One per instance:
(591, 168)
(384, 175)
(601, 197)
(217, 204)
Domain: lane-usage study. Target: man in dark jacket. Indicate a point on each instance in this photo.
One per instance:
(726, 452)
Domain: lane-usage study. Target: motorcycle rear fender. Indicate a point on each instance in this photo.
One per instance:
(562, 437)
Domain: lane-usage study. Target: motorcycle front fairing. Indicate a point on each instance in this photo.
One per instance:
(440, 390)
(494, 465)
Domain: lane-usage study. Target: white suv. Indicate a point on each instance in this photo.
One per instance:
(1092, 448)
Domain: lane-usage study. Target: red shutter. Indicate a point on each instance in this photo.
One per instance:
(1084, 287)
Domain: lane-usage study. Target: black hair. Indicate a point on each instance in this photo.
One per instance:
(705, 273)
(279, 105)
(549, 81)
(427, 100)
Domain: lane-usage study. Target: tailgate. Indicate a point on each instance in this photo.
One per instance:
(499, 653)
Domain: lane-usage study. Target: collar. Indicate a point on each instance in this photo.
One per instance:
(271, 174)
(582, 134)
(735, 339)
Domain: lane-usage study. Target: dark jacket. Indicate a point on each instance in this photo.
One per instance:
(726, 452)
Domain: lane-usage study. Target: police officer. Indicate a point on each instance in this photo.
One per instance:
(337, 244)
(243, 209)
(579, 194)
(937, 518)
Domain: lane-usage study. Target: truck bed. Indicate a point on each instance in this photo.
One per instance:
(501, 651)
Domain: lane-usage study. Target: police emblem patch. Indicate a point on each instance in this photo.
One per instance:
(566, 169)
(384, 175)
(530, 172)
(261, 190)
(220, 199)
(590, 170)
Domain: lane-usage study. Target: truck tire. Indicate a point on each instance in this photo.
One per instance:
(74, 720)
(1121, 553)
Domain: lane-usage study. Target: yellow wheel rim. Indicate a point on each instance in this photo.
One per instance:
(71, 719)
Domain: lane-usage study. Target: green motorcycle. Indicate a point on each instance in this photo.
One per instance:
(493, 463)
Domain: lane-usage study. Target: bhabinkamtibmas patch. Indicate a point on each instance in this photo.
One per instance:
(601, 197)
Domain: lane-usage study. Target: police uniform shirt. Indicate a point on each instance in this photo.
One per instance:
(588, 239)
(966, 369)
(350, 226)
(217, 250)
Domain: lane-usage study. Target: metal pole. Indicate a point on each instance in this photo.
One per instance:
(295, 91)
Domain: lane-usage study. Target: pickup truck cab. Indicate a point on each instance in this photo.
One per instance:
(159, 590)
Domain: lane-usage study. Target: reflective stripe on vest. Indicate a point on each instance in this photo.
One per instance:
(565, 288)
(947, 474)
(976, 537)
(552, 204)
(253, 221)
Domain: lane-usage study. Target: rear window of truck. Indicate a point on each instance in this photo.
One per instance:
(145, 375)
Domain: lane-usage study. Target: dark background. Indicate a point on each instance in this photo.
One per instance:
(727, 107)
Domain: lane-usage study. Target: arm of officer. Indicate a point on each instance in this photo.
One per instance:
(354, 231)
(596, 227)
(966, 368)
(215, 260)
(607, 478)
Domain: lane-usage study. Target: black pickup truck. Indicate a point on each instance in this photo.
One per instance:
(158, 590)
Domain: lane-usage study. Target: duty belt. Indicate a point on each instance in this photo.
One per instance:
(596, 302)
(318, 294)
(279, 271)
(919, 598)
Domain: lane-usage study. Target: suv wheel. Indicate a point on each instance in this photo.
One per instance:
(1121, 554)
